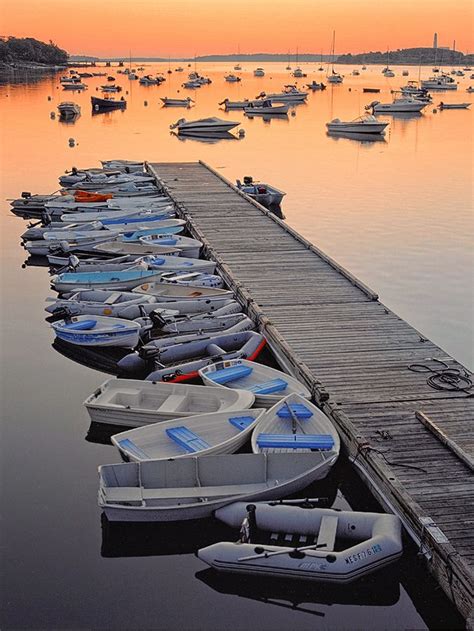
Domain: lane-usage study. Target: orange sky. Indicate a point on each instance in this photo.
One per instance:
(185, 27)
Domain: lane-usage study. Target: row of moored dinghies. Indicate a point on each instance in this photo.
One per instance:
(146, 289)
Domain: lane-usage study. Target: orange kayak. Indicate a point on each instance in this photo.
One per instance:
(85, 196)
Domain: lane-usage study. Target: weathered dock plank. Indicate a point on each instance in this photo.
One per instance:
(329, 329)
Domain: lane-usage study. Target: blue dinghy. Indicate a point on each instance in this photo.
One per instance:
(121, 280)
(86, 330)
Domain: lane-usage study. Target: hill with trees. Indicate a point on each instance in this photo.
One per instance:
(18, 52)
(440, 56)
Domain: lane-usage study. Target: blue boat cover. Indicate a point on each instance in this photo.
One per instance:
(298, 409)
(231, 373)
(82, 325)
(269, 387)
(130, 446)
(241, 422)
(295, 441)
(187, 439)
(157, 261)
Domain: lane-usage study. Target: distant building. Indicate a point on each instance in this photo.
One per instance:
(435, 41)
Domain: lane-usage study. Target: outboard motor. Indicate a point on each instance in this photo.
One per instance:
(248, 180)
(45, 218)
(248, 527)
(73, 263)
(157, 320)
(61, 313)
(25, 195)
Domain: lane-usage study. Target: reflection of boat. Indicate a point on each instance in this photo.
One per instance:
(68, 109)
(364, 138)
(104, 105)
(454, 106)
(367, 124)
(103, 358)
(383, 589)
(206, 137)
(203, 125)
(262, 193)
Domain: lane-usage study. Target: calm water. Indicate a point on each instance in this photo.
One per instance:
(397, 213)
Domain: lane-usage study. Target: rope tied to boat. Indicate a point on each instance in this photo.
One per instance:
(365, 447)
(444, 378)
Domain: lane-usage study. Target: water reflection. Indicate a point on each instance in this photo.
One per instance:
(362, 138)
(379, 589)
(209, 138)
(103, 359)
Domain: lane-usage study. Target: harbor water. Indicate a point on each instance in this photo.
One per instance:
(396, 212)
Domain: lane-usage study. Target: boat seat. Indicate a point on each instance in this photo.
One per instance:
(298, 409)
(187, 439)
(115, 494)
(231, 373)
(269, 387)
(295, 441)
(130, 446)
(171, 404)
(83, 325)
(327, 533)
(112, 298)
(241, 422)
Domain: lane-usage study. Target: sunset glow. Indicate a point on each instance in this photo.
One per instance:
(182, 28)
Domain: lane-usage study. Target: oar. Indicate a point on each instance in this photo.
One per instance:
(267, 555)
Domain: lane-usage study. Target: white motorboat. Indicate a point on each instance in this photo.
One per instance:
(443, 82)
(134, 403)
(366, 124)
(334, 77)
(289, 94)
(86, 330)
(149, 80)
(332, 546)
(191, 85)
(266, 108)
(68, 109)
(167, 102)
(259, 72)
(262, 193)
(239, 105)
(203, 125)
(298, 73)
(387, 72)
(193, 488)
(185, 436)
(268, 385)
(399, 104)
(232, 78)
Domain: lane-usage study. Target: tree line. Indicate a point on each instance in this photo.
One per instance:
(14, 49)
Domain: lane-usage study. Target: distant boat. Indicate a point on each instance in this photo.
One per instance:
(367, 124)
(372, 90)
(334, 77)
(74, 86)
(177, 102)
(454, 106)
(400, 104)
(314, 85)
(443, 82)
(259, 72)
(203, 125)
(356, 73)
(68, 109)
(102, 105)
(232, 78)
(262, 193)
(290, 94)
(298, 73)
(266, 108)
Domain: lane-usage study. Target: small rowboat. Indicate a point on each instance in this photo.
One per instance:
(297, 425)
(199, 435)
(119, 248)
(86, 330)
(193, 488)
(102, 280)
(167, 226)
(335, 546)
(189, 247)
(164, 292)
(99, 302)
(179, 264)
(134, 403)
(193, 279)
(267, 384)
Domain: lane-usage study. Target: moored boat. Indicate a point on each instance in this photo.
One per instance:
(333, 546)
(203, 125)
(268, 385)
(185, 436)
(262, 193)
(122, 281)
(134, 403)
(86, 330)
(68, 109)
(366, 124)
(103, 105)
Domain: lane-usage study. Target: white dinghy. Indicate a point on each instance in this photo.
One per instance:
(267, 384)
(199, 435)
(98, 302)
(297, 425)
(135, 403)
(334, 546)
(169, 292)
(86, 330)
(119, 248)
(193, 488)
(189, 247)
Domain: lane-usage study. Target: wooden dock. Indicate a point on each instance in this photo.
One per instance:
(412, 444)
